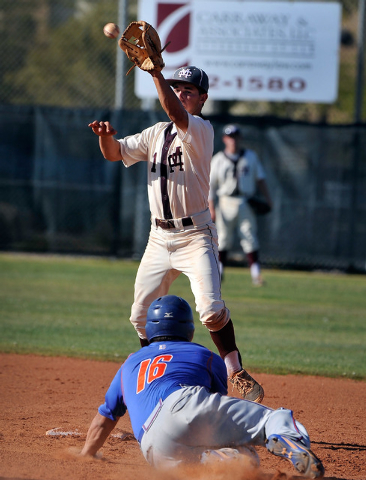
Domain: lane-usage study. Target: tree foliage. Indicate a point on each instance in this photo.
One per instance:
(54, 53)
(72, 64)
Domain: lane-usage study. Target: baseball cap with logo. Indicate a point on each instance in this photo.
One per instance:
(231, 130)
(191, 74)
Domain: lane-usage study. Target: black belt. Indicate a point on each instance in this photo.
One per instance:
(167, 224)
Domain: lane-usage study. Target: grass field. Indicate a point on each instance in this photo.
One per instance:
(299, 323)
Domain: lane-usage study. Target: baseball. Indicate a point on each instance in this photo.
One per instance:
(111, 30)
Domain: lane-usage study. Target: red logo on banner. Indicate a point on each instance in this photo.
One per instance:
(173, 20)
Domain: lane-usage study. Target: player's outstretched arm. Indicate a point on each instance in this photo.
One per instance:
(109, 146)
(170, 102)
(98, 432)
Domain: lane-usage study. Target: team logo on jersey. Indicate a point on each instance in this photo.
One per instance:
(168, 315)
(185, 72)
(176, 160)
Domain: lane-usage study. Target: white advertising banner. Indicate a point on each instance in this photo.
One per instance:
(275, 51)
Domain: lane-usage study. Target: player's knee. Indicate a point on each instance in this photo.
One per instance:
(215, 321)
(138, 319)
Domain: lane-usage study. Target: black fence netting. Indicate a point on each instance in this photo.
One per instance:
(58, 194)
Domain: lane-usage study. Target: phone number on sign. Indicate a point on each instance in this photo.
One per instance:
(258, 83)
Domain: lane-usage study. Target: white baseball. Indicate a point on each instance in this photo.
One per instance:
(111, 30)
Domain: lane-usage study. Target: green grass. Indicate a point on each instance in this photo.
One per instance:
(299, 323)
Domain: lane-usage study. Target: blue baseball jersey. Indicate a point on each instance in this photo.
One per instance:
(154, 372)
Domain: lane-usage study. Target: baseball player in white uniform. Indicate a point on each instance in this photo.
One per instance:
(183, 237)
(236, 174)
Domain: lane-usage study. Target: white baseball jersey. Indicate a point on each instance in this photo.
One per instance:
(178, 185)
(237, 178)
(233, 180)
(184, 161)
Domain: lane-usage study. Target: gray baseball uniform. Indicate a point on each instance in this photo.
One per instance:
(183, 427)
(176, 394)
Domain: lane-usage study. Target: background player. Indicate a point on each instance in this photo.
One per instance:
(236, 174)
(183, 238)
(175, 393)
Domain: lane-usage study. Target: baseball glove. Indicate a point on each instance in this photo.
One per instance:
(141, 43)
(259, 205)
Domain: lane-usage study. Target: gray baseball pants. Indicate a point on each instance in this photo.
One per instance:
(192, 420)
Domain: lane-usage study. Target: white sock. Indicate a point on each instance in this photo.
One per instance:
(255, 271)
(232, 363)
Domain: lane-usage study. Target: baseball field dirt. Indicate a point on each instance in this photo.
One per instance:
(61, 395)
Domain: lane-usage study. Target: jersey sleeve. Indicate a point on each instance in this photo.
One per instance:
(114, 405)
(135, 148)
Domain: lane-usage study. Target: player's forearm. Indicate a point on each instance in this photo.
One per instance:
(110, 148)
(98, 432)
(170, 102)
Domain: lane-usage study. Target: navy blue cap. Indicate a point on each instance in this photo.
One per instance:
(231, 130)
(191, 74)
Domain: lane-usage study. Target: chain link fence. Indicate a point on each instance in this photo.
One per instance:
(57, 194)
(54, 53)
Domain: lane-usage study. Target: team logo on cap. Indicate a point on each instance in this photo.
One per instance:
(168, 315)
(185, 72)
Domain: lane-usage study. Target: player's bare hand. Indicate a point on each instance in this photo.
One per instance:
(102, 129)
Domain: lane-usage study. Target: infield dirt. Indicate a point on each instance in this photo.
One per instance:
(39, 394)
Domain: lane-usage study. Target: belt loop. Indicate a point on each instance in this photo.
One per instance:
(179, 224)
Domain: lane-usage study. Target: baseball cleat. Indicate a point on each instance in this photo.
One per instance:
(248, 388)
(301, 457)
(246, 453)
(209, 456)
(258, 282)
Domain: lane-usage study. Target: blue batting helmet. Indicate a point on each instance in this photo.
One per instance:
(169, 316)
